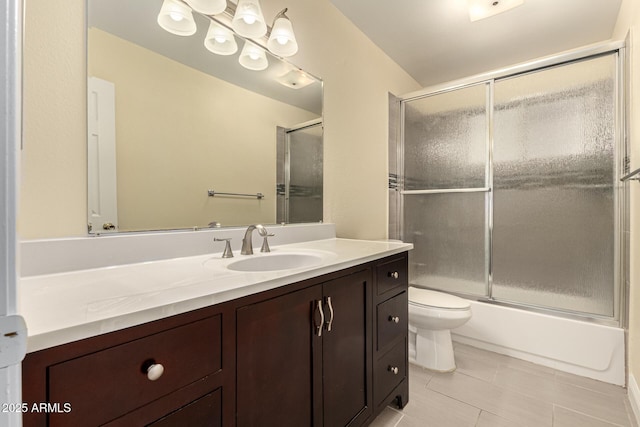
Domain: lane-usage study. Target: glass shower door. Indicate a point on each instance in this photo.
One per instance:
(300, 171)
(554, 201)
(445, 188)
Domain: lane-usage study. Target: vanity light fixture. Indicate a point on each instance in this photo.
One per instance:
(282, 41)
(220, 40)
(245, 19)
(208, 7)
(480, 9)
(177, 18)
(253, 57)
(248, 20)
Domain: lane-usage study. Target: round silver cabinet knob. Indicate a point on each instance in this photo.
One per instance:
(394, 319)
(155, 371)
(394, 370)
(394, 274)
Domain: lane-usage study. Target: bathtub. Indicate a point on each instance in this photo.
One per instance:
(568, 345)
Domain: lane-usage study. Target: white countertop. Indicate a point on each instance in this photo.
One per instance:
(65, 307)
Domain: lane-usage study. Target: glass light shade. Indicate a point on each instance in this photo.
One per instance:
(252, 57)
(220, 40)
(295, 79)
(176, 18)
(282, 41)
(208, 7)
(248, 20)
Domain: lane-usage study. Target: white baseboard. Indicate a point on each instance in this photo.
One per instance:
(633, 392)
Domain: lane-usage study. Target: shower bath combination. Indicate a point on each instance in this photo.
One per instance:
(509, 187)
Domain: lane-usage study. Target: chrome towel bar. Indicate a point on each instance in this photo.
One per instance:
(212, 193)
(632, 176)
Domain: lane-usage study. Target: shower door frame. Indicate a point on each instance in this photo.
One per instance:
(621, 166)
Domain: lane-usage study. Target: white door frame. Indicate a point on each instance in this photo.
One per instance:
(102, 215)
(10, 143)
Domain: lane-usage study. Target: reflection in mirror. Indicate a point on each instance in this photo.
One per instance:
(300, 173)
(168, 120)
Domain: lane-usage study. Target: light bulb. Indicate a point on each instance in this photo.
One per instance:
(252, 57)
(220, 40)
(176, 16)
(248, 20)
(282, 41)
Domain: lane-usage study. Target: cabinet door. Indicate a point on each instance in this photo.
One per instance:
(279, 365)
(346, 350)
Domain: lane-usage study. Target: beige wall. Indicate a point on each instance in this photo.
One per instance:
(629, 18)
(175, 140)
(53, 179)
(357, 76)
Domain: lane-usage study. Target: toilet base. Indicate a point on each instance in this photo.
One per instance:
(434, 350)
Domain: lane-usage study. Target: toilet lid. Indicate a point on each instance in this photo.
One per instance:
(431, 298)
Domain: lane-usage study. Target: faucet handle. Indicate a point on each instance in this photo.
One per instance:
(265, 244)
(227, 248)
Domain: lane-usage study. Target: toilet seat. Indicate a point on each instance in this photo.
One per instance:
(434, 299)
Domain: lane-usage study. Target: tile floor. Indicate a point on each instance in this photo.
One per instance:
(493, 390)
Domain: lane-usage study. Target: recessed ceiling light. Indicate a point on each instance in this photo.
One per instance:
(480, 9)
(295, 79)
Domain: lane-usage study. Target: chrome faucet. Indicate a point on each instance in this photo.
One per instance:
(247, 244)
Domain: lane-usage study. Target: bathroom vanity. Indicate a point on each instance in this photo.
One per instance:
(324, 345)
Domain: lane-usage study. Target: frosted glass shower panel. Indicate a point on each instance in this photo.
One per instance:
(305, 175)
(445, 140)
(449, 236)
(554, 208)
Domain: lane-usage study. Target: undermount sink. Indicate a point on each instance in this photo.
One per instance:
(275, 262)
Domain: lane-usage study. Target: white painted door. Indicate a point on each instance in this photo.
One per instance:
(101, 155)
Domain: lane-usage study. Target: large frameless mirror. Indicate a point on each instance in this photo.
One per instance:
(180, 137)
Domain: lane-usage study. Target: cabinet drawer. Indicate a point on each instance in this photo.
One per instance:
(392, 274)
(391, 369)
(104, 385)
(391, 320)
(204, 412)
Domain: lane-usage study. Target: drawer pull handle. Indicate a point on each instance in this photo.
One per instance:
(319, 327)
(330, 321)
(393, 369)
(394, 274)
(394, 319)
(155, 371)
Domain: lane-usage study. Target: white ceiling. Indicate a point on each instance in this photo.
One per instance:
(435, 42)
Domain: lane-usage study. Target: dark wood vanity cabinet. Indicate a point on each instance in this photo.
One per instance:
(104, 380)
(304, 358)
(391, 363)
(328, 351)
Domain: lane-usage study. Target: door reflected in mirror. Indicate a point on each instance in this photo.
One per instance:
(168, 121)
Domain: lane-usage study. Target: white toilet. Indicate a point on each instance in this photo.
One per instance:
(432, 315)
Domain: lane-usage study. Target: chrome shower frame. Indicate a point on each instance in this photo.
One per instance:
(621, 264)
